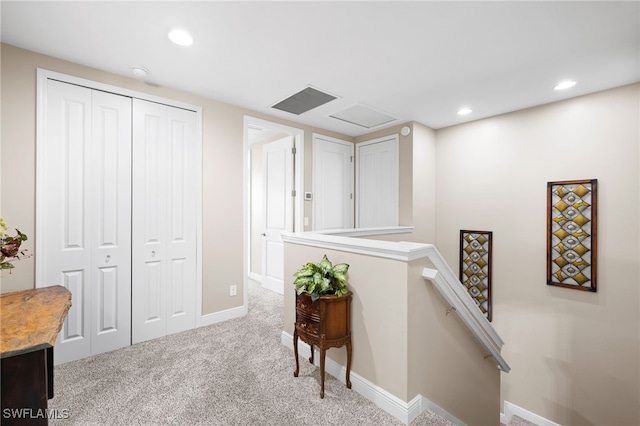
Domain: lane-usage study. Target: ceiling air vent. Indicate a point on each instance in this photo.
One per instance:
(363, 116)
(303, 101)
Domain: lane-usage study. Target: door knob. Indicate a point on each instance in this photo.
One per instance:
(263, 234)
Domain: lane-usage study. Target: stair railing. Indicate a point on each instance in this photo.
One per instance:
(452, 290)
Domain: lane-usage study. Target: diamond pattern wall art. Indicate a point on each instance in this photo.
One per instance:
(475, 267)
(571, 234)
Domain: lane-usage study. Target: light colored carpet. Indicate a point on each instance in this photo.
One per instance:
(231, 373)
(519, 421)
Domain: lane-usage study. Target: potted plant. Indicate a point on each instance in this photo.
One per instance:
(322, 278)
(10, 247)
(323, 313)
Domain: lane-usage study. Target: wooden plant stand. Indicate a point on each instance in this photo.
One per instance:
(325, 323)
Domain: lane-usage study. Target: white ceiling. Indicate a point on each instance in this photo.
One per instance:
(413, 60)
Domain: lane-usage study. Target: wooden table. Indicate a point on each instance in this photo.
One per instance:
(325, 323)
(31, 321)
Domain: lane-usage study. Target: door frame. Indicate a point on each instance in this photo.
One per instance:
(43, 76)
(298, 176)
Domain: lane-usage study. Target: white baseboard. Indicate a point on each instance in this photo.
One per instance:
(511, 409)
(255, 277)
(406, 412)
(225, 315)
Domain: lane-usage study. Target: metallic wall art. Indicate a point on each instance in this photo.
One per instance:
(571, 234)
(475, 267)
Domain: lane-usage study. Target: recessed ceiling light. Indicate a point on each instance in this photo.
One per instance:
(181, 37)
(465, 111)
(564, 85)
(139, 72)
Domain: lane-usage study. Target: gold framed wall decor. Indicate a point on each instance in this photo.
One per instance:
(572, 234)
(475, 267)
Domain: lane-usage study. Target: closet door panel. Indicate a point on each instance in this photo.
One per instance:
(377, 183)
(111, 221)
(149, 296)
(66, 251)
(182, 219)
(116, 216)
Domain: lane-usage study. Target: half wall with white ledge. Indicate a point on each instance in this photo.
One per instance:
(411, 350)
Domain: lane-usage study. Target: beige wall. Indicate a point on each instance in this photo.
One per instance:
(403, 341)
(424, 184)
(417, 180)
(378, 314)
(575, 355)
(222, 132)
(446, 362)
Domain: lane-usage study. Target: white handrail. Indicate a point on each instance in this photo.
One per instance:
(454, 293)
(442, 277)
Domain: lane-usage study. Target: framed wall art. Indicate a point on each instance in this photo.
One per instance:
(475, 267)
(572, 234)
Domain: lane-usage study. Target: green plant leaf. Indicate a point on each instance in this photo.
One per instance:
(322, 278)
(340, 277)
(325, 264)
(341, 268)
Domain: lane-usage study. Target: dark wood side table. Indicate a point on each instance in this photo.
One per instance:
(31, 321)
(325, 323)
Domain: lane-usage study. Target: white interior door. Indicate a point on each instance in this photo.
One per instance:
(111, 223)
(84, 205)
(278, 209)
(149, 295)
(332, 183)
(182, 223)
(377, 183)
(164, 220)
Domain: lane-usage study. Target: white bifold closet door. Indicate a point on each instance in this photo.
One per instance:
(117, 217)
(164, 217)
(87, 215)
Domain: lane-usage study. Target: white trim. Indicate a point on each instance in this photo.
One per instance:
(255, 277)
(368, 232)
(511, 409)
(65, 78)
(298, 224)
(43, 76)
(406, 412)
(403, 250)
(216, 317)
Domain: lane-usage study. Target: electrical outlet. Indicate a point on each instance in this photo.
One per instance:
(233, 290)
